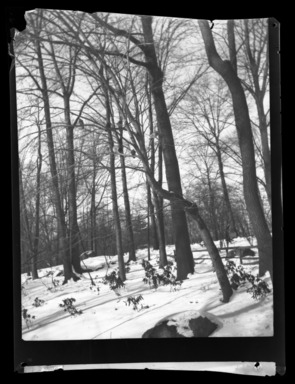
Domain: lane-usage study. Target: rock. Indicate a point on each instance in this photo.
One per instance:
(202, 326)
(162, 330)
(184, 324)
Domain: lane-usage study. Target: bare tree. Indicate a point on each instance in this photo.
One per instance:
(212, 116)
(244, 131)
(257, 51)
(42, 87)
(116, 215)
(66, 83)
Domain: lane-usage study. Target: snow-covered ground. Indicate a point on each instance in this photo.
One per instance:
(105, 315)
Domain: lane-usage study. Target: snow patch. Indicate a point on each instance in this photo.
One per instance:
(105, 315)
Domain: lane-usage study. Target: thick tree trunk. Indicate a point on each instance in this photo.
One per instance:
(243, 126)
(184, 258)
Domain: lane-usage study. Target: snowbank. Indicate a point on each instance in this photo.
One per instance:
(106, 315)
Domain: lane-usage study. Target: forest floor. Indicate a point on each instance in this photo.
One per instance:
(105, 314)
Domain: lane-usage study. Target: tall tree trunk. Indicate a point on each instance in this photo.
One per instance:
(229, 211)
(37, 208)
(28, 256)
(212, 207)
(159, 204)
(74, 238)
(116, 216)
(258, 93)
(68, 273)
(128, 219)
(243, 126)
(152, 161)
(160, 230)
(148, 220)
(184, 258)
(264, 146)
(93, 243)
(155, 238)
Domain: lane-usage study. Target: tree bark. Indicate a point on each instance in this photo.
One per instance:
(26, 226)
(152, 162)
(258, 93)
(184, 258)
(116, 216)
(212, 205)
(159, 202)
(231, 219)
(37, 209)
(128, 219)
(243, 126)
(93, 242)
(74, 238)
(68, 273)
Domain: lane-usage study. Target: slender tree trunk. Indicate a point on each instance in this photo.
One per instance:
(258, 94)
(159, 202)
(128, 219)
(160, 231)
(184, 258)
(116, 216)
(68, 273)
(152, 219)
(71, 178)
(93, 245)
(26, 226)
(152, 161)
(156, 244)
(229, 211)
(264, 146)
(212, 207)
(243, 126)
(37, 209)
(148, 220)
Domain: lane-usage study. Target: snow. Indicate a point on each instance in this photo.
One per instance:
(106, 315)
